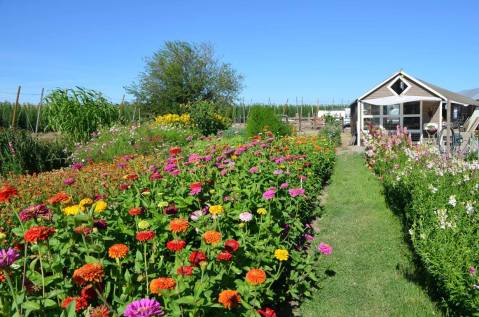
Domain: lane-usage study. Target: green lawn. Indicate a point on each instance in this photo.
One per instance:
(374, 273)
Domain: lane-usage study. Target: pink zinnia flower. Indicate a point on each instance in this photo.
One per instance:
(246, 216)
(284, 185)
(293, 192)
(253, 170)
(269, 194)
(325, 248)
(472, 270)
(195, 188)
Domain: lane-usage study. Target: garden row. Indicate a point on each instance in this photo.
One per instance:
(437, 197)
(213, 229)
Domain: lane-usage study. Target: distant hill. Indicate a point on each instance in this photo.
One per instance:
(471, 93)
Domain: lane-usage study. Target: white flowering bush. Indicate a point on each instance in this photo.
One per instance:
(437, 196)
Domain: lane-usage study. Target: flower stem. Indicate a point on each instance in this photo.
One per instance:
(146, 269)
(9, 282)
(41, 270)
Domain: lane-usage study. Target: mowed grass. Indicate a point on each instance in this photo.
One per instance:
(371, 268)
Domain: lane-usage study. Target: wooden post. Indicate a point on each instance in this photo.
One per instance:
(300, 113)
(358, 122)
(39, 110)
(15, 108)
(449, 126)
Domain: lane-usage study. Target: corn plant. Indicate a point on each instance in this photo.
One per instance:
(79, 112)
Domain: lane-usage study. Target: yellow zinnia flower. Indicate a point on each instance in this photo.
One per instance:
(216, 209)
(143, 224)
(86, 202)
(100, 206)
(262, 211)
(73, 210)
(281, 254)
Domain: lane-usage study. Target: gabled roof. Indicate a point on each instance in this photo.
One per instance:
(442, 93)
(471, 93)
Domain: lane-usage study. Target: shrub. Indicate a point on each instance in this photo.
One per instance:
(79, 112)
(172, 119)
(206, 119)
(22, 153)
(194, 231)
(437, 198)
(262, 119)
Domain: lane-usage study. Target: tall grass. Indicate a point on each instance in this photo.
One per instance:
(26, 117)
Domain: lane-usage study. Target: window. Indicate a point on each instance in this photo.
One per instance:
(391, 123)
(399, 86)
(373, 121)
(371, 110)
(391, 110)
(412, 107)
(412, 123)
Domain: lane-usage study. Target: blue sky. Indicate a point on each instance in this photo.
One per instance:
(331, 50)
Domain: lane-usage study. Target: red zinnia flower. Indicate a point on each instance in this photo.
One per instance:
(267, 312)
(123, 186)
(135, 211)
(118, 251)
(224, 256)
(232, 245)
(80, 303)
(36, 233)
(7, 192)
(175, 151)
(185, 270)
(196, 257)
(88, 293)
(146, 235)
(175, 245)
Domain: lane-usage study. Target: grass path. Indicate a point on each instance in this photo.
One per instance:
(374, 273)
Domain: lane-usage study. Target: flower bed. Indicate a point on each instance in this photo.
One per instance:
(212, 230)
(438, 198)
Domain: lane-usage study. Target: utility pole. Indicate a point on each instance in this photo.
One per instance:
(39, 110)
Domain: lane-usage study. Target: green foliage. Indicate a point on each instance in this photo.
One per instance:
(184, 73)
(22, 153)
(110, 143)
(332, 130)
(79, 112)
(205, 117)
(262, 119)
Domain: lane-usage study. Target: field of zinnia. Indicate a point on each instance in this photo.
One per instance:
(213, 230)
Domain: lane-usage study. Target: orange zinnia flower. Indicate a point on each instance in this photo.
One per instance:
(256, 276)
(162, 283)
(80, 303)
(100, 311)
(118, 251)
(38, 233)
(7, 192)
(91, 272)
(60, 197)
(212, 237)
(178, 225)
(229, 298)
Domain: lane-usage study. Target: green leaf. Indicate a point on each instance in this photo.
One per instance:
(31, 305)
(188, 300)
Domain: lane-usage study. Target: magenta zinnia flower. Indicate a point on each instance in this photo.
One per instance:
(293, 192)
(472, 270)
(144, 308)
(269, 194)
(35, 211)
(284, 185)
(69, 181)
(7, 257)
(325, 248)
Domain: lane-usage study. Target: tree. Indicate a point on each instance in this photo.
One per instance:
(183, 73)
